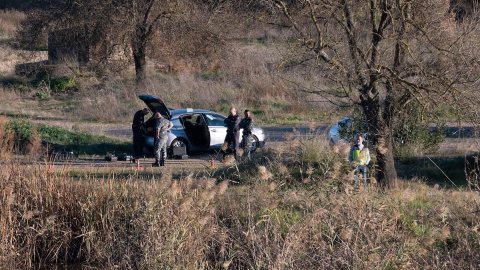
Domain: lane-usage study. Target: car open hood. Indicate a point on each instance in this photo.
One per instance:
(155, 104)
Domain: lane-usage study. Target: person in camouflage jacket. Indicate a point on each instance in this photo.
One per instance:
(247, 137)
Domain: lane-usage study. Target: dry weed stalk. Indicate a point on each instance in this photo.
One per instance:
(228, 159)
(263, 173)
(193, 222)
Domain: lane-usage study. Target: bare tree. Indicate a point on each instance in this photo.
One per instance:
(146, 17)
(381, 55)
(116, 25)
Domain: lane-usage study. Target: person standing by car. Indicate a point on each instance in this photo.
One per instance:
(233, 131)
(359, 158)
(247, 137)
(138, 129)
(162, 126)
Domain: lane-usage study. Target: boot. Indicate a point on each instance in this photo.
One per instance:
(156, 164)
(162, 158)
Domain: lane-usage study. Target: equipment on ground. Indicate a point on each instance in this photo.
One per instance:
(179, 152)
(111, 157)
(65, 154)
(124, 157)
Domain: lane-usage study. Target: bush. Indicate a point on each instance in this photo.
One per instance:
(22, 132)
(413, 134)
(62, 84)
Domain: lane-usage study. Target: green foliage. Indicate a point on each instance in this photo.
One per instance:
(23, 132)
(421, 204)
(412, 131)
(5, 41)
(14, 81)
(62, 84)
(340, 91)
(56, 85)
(447, 113)
(426, 169)
(355, 126)
(42, 94)
(446, 245)
(420, 230)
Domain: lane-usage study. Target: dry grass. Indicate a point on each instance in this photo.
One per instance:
(247, 79)
(10, 22)
(274, 221)
(295, 208)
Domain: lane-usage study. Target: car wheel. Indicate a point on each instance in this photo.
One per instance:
(179, 142)
(255, 144)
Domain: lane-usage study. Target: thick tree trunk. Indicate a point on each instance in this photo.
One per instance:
(386, 174)
(139, 56)
(379, 127)
(139, 48)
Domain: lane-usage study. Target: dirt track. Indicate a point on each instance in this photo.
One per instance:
(100, 165)
(456, 143)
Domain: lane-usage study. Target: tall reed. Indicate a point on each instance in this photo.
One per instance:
(273, 220)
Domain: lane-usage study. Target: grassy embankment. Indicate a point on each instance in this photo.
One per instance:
(58, 138)
(291, 209)
(247, 79)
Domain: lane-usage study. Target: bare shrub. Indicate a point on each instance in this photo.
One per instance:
(150, 221)
(10, 21)
(102, 221)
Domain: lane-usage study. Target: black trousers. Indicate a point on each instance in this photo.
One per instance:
(233, 137)
(137, 143)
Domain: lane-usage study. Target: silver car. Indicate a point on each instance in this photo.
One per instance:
(197, 130)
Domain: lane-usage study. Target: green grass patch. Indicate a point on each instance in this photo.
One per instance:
(277, 104)
(286, 218)
(59, 138)
(209, 75)
(421, 204)
(81, 142)
(16, 82)
(5, 41)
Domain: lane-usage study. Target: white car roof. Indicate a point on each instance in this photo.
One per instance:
(182, 111)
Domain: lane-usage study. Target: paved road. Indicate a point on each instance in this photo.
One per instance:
(274, 134)
(279, 134)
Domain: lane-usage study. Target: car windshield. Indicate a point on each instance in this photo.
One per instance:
(345, 122)
(214, 119)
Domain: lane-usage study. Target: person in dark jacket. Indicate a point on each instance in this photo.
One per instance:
(247, 137)
(233, 131)
(138, 130)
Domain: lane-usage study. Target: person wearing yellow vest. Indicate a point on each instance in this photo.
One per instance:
(359, 158)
